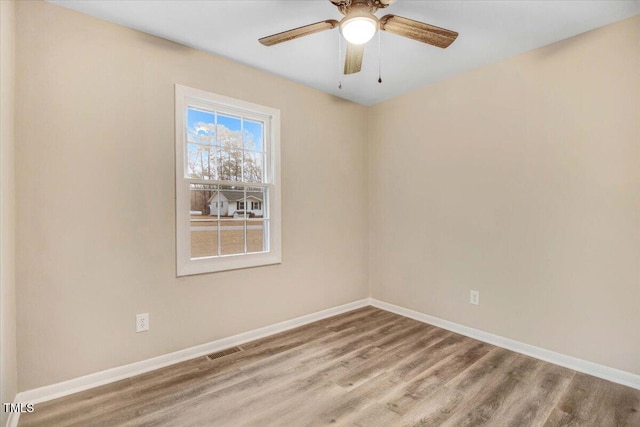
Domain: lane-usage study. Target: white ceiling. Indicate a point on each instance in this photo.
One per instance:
(489, 31)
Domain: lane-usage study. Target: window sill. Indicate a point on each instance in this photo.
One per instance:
(225, 263)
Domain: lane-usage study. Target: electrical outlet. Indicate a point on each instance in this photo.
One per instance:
(474, 297)
(142, 322)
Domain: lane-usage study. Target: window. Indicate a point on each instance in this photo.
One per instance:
(256, 206)
(227, 150)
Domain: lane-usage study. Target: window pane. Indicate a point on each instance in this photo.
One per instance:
(200, 126)
(253, 166)
(232, 237)
(256, 235)
(229, 131)
(203, 222)
(214, 162)
(201, 162)
(194, 161)
(230, 164)
(253, 135)
(216, 204)
(201, 198)
(256, 198)
(204, 239)
(229, 198)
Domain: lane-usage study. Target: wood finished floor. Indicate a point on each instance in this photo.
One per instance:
(367, 367)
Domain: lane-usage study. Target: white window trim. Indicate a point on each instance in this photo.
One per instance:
(184, 264)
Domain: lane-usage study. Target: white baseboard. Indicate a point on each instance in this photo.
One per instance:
(590, 368)
(12, 420)
(75, 385)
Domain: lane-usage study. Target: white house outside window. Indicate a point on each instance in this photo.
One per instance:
(227, 160)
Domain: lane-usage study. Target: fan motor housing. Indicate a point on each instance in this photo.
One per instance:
(370, 6)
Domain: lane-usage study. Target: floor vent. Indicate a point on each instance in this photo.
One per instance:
(222, 353)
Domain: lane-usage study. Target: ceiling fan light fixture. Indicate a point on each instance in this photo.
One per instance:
(359, 28)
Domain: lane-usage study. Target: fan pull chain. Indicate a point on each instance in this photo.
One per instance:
(379, 58)
(339, 58)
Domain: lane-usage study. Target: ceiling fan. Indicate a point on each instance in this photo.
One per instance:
(360, 24)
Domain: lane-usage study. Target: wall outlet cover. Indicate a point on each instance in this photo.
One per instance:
(142, 322)
(474, 297)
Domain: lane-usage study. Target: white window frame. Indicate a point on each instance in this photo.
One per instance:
(185, 265)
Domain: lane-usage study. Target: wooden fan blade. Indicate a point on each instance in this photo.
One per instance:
(299, 32)
(353, 59)
(416, 30)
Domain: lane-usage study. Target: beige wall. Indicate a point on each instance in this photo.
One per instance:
(8, 369)
(96, 208)
(521, 180)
